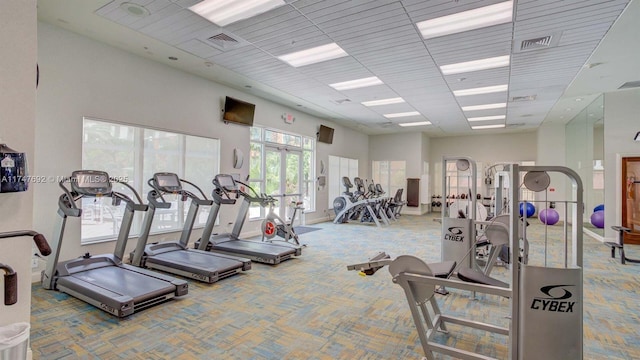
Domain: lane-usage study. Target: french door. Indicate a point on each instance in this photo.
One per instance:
(283, 171)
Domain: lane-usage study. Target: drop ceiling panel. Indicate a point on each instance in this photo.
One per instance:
(585, 33)
(474, 53)
(545, 8)
(288, 22)
(425, 10)
(373, 19)
(198, 48)
(417, 64)
(604, 13)
(368, 93)
(498, 34)
(262, 21)
(426, 89)
(186, 3)
(162, 16)
(309, 6)
(337, 70)
(482, 99)
(391, 108)
(481, 77)
(185, 26)
(345, 11)
(266, 67)
(158, 9)
(364, 43)
(490, 112)
(382, 40)
(302, 39)
(396, 54)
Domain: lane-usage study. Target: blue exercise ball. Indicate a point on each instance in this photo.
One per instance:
(597, 219)
(549, 216)
(531, 209)
(598, 208)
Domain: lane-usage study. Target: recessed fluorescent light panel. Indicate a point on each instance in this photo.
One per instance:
(313, 55)
(383, 102)
(486, 118)
(481, 90)
(481, 127)
(467, 20)
(420, 123)
(354, 84)
(225, 12)
(475, 65)
(484, 107)
(403, 114)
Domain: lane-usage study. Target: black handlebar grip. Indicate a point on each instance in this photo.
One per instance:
(42, 244)
(10, 288)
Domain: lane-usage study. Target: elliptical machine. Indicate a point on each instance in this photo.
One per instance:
(353, 206)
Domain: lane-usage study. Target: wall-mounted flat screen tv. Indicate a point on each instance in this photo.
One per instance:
(325, 134)
(238, 111)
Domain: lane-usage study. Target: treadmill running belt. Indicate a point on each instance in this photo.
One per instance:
(186, 259)
(125, 282)
(254, 247)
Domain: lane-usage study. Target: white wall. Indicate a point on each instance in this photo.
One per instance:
(551, 152)
(18, 40)
(485, 149)
(621, 123)
(408, 147)
(81, 77)
(598, 142)
(398, 147)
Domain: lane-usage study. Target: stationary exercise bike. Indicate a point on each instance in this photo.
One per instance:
(274, 225)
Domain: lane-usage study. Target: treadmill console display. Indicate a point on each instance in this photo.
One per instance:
(90, 182)
(226, 182)
(167, 182)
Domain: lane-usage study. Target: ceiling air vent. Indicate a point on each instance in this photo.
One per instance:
(523, 98)
(225, 41)
(630, 85)
(538, 43)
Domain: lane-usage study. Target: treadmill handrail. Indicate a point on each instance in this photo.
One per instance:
(204, 197)
(262, 199)
(200, 200)
(68, 207)
(156, 192)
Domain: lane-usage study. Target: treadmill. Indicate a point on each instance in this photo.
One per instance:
(231, 244)
(174, 256)
(104, 281)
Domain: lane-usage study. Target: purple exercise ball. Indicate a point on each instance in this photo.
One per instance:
(549, 216)
(597, 219)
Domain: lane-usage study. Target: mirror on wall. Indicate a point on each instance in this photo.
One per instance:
(585, 154)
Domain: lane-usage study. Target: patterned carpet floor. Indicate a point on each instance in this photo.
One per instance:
(311, 307)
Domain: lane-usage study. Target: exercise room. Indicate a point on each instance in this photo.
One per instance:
(319, 179)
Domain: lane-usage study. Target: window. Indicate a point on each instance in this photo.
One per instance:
(281, 163)
(338, 168)
(135, 154)
(391, 175)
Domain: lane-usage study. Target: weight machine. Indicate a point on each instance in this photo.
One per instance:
(546, 303)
